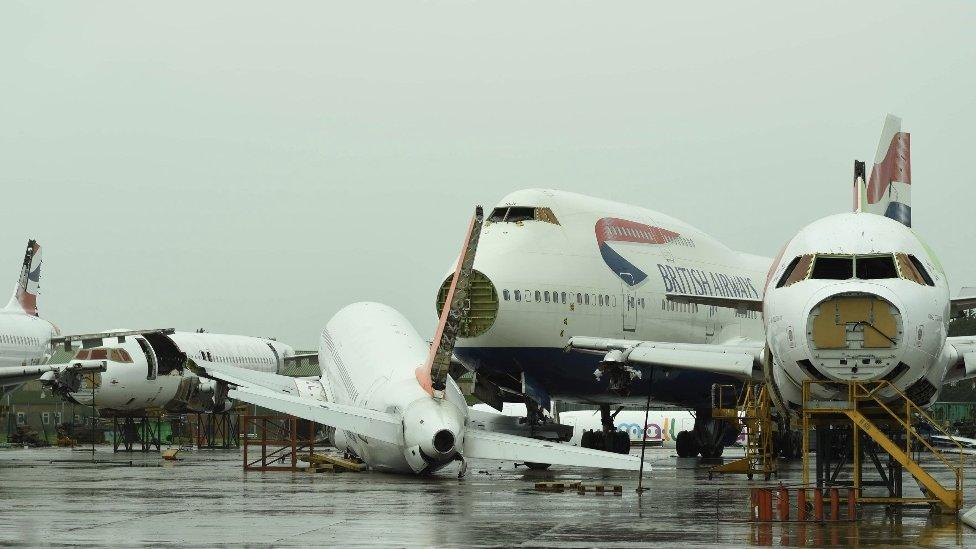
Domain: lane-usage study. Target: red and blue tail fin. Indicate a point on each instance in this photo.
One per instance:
(888, 191)
(28, 285)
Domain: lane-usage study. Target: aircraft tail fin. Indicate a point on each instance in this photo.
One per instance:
(432, 376)
(887, 191)
(28, 285)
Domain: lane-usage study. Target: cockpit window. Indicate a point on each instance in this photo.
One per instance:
(912, 269)
(797, 270)
(99, 354)
(827, 267)
(120, 355)
(115, 355)
(862, 267)
(514, 214)
(876, 267)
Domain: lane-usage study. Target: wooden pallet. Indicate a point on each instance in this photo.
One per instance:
(336, 463)
(615, 489)
(557, 486)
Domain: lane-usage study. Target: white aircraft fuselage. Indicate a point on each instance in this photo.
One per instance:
(857, 296)
(148, 371)
(369, 354)
(563, 264)
(25, 340)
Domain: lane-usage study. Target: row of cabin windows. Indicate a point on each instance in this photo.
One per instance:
(544, 296)
(235, 359)
(19, 340)
(668, 305)
(863, 267)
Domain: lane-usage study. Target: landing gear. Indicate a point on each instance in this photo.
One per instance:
(608, 439)
(788, 444)
(708, 438)
(686, 445)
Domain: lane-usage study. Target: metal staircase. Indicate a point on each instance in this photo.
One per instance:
(879, 412)
(753, 412)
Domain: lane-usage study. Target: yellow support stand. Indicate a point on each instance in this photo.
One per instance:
(860, 406)
(753, 411)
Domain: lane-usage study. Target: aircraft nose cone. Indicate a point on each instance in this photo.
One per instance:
(481, 304)
(854, 336)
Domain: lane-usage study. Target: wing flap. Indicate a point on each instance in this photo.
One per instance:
(741, 360)
(739, 304)
(503, 447)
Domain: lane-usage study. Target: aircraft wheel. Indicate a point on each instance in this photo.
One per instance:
(712, 452)
(586, 441)
(621, 442)
(684, 444)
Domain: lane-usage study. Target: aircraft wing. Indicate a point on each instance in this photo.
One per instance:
(965, 300)
(300, 397)
(503, 447)
(740, 304)
(97, 339)
(15, 375)
(962, 358)
(741, 359)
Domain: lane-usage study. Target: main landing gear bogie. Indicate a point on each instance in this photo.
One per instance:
(708, 438)
(608, 439)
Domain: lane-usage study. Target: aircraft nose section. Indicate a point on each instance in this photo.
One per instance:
(854, 336)
(481, 305)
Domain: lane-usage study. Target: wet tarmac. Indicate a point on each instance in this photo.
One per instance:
(207, 499)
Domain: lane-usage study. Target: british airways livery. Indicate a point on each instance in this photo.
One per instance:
(554, 265)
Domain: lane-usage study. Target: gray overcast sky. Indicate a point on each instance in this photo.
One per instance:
(251, 167)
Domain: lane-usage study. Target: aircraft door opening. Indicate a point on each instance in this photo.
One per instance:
(628, 307)
(150, 357)
(278, 363)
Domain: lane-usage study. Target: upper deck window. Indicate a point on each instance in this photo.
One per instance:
(514, 214)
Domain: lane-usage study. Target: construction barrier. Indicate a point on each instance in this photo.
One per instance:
(825, 505)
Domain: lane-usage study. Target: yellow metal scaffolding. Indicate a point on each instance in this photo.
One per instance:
(752, 411)
(878, 409)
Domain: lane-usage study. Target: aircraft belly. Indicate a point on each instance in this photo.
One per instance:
(569, 376)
